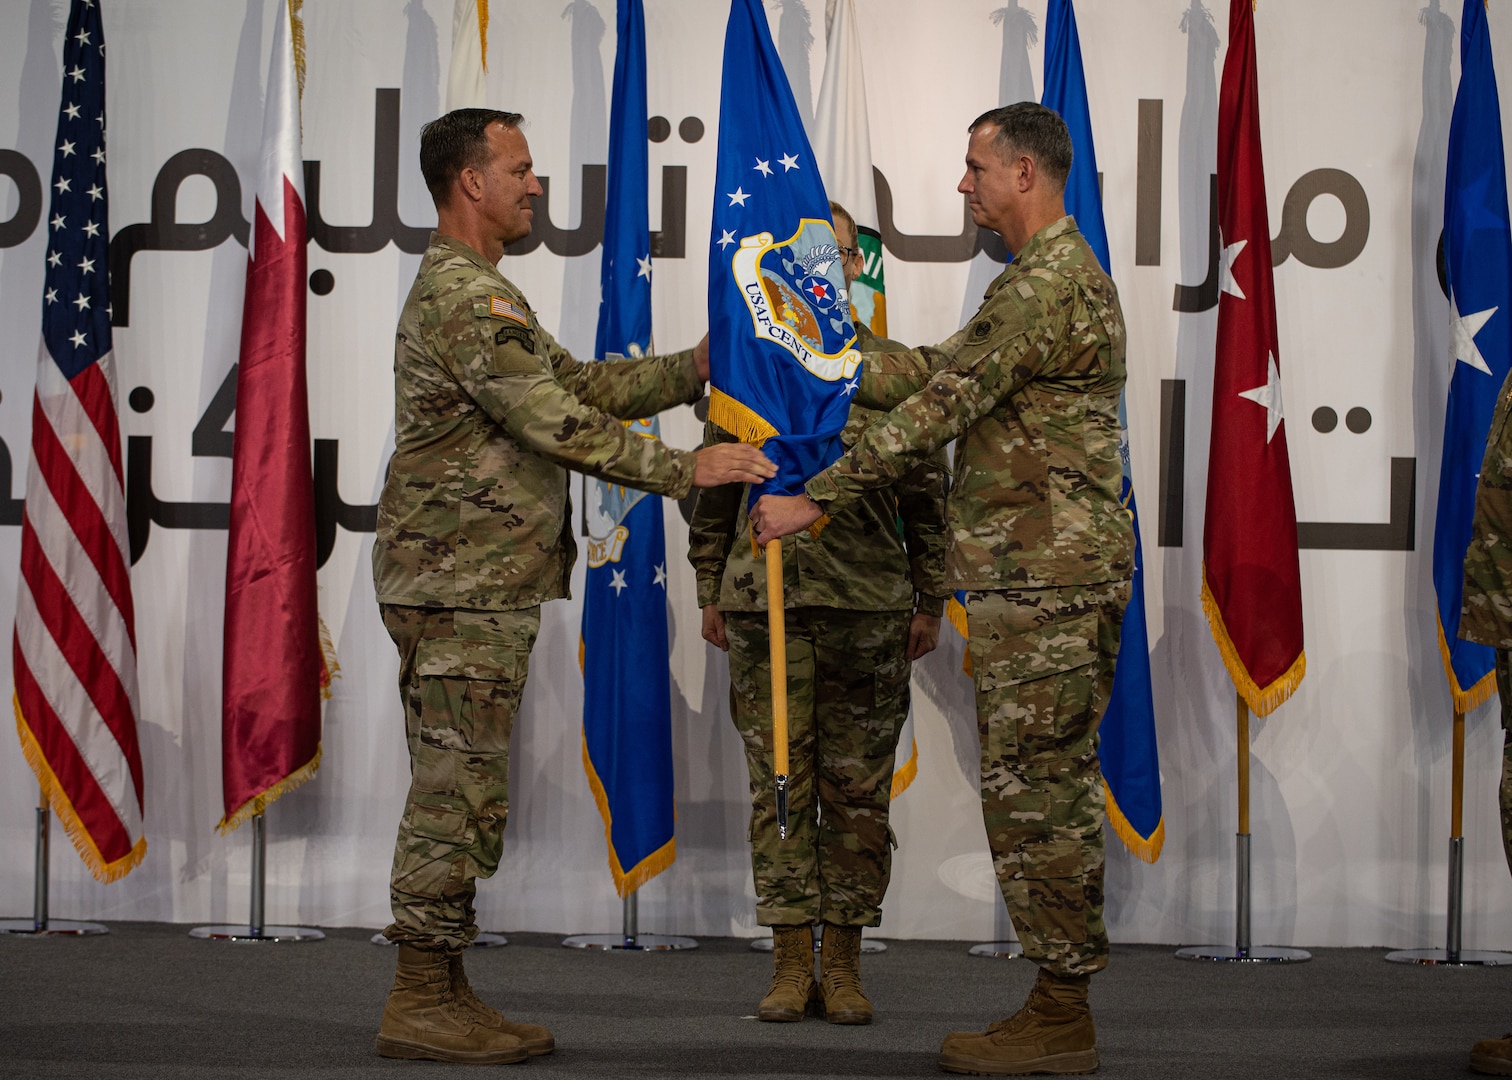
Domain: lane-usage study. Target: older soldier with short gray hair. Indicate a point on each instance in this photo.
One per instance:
(1044, 549)
(473, 536)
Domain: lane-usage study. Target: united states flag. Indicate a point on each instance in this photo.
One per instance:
(75, 642)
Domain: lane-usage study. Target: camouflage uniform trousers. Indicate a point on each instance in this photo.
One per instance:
(1043, 663)
(461, 676)
(847, 701)
(1504, 687)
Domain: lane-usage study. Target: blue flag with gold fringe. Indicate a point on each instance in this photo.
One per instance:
(627, 691)
(1130, 760)
(1478, 270)
(783, 358)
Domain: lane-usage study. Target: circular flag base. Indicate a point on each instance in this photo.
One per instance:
(52, 928)
(1463, 958)
(639, 943)
(1256, 954)
(245, 933)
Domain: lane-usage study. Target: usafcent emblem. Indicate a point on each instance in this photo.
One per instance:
(797, 298)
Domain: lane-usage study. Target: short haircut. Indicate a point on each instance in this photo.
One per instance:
(1033, 131)
(840, 212)
(455, 142)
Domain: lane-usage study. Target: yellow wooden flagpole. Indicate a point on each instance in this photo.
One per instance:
(777, 632)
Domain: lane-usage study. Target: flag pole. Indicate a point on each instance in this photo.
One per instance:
(1242, 951)
(40, 925)
(777, 631)
(1452, 954)
(254, 930)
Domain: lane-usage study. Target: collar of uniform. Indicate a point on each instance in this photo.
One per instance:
(1033, 250)
(458, 247)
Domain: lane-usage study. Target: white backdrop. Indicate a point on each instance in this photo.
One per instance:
(1351, 777)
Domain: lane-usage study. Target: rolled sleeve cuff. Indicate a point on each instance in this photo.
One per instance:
(687, 371)
(925, 604)
(708, 592)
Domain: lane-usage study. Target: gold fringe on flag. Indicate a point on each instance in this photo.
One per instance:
(260, 802)
(483, 33)
(1477, 694)
(739, 419)
(297, 33)
(907, 774)
(329, 667)
(1147, 848)
(625, 881)
(56, 798)
(1262, 700)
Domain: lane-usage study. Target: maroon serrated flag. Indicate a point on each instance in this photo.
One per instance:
(270, 699)
(1251, 588)
(74, 654)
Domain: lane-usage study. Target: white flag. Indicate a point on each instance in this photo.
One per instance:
(466, 87)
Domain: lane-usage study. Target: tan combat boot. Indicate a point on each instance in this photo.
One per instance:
(536, 1039)
(424, 1019)
(1052, 1033)
(1493, 1056)
(792, 974)
(840, 976)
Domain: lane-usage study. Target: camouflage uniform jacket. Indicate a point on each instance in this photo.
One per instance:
(488, 412)
(1031, 385)
(860, 562)
(1486, 614)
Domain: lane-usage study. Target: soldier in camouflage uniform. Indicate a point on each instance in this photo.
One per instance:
(472, 538)
(863, 600)
(1043, 548)
(1486, 617)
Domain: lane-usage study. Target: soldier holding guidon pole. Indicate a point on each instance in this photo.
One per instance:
(1042, 546)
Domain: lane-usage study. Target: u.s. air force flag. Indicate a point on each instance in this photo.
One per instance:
(627, 694)
(783, 358)
(1130, 760)
(1478, 268)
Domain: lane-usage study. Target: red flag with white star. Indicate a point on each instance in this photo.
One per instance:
(1252, 588)
(270, 696)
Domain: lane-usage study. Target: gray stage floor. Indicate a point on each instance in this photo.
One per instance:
(146, 1001)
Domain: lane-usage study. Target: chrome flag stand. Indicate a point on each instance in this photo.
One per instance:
(254, 929)
(39, 925)
(1451, 954)
(1242, 951)
(630, 939)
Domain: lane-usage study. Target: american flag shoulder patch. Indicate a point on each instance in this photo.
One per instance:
(497, 305)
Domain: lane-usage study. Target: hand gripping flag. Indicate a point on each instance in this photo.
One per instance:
(1252, 587)
(75, 644)
(270, 698)
(842, 148)
(1478, 264)
(627, 686)
(1130, 760)
(782, 348)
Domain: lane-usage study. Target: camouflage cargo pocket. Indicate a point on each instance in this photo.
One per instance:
(1034, 686)
(472, 682)
(1054, 886)
(432, 837)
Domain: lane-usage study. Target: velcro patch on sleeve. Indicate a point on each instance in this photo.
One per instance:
(508, 309)
(1025, 290)
(521, 334)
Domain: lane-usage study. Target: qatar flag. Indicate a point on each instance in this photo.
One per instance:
(270, 697)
